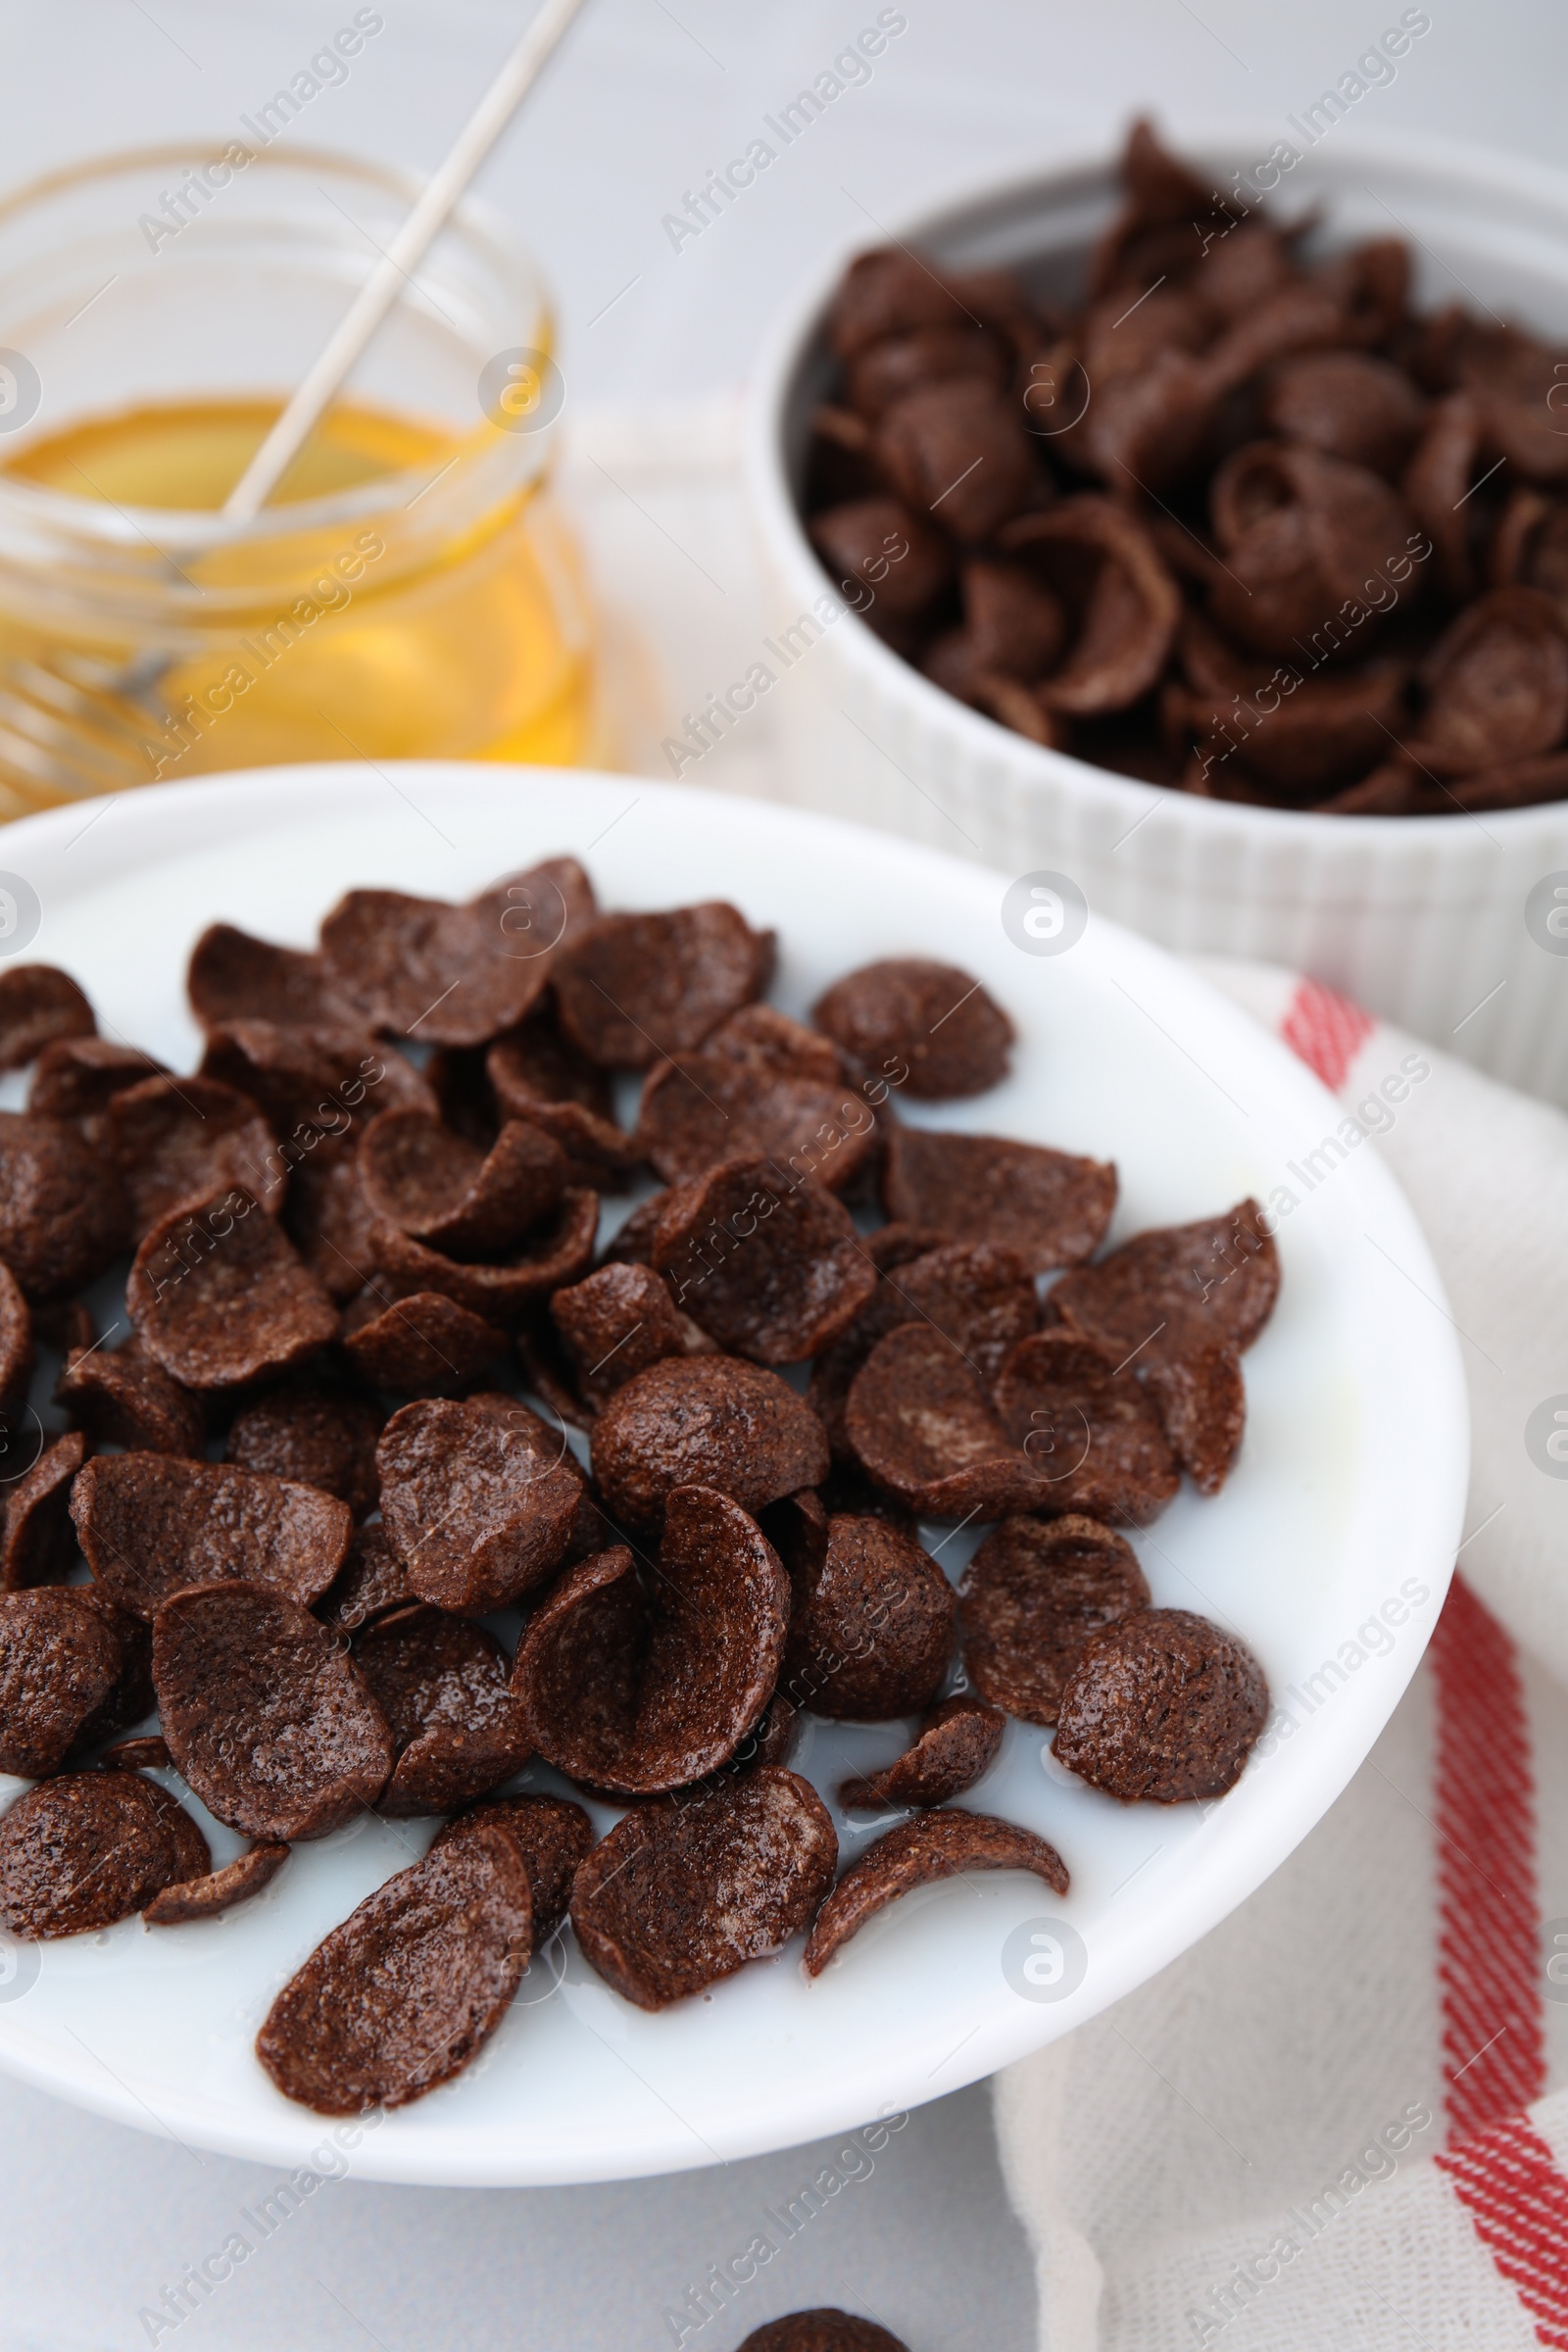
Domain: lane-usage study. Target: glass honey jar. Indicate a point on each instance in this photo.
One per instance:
(408, 591)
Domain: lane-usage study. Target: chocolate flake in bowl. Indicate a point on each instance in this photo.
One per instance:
(151, 1524)
(1050, 1206)
(709, 1421)
(36, 1545)
(535, 1075)
(38, 1005)
(218, 1296)
(949, 1034)
(1229, 428)
(217, 1891)
(478, 1498)
(127, 1399)
(769, 1264)
(761, 1087)
(615, 1324)
(233, 977)
(454, 975)
(176, 1142)
(1176, 1289)
(1031, 1598)
(1163, 1706)
(410, 1986)
(62, 1213)
(682, 1895)
(551, 1833)
(372, 1583)
(78, 1077)
(317, 1437)
(456, 1727)
(634, 988)
(871, 1628)
(824, 2330)
(636, 1684)
(416, 1174)
(956, 1743)
(59, 1661)
(1202, 1399)
(558, 1250)
(422, 1344)
(1087, 1427)
(269, 1722)
(924, 1848)
(15, 1346)
(78, 1852)
(919, 1420)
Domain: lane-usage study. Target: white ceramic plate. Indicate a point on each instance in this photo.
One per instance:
(1348, 1496)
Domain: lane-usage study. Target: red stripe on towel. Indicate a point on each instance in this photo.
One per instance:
(1325, 1030)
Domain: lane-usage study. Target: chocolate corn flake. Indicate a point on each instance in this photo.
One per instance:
(680, 1895)
(317, 1437)
(479, 1499)
(15, 1350)
(451, 975)
(217, 1891)
(871, 1628)
(410, 1986)
(1164, 1705)
(127, 1399)
(233, 977)
(1099, 561)
(956, 1743)
(551, 1833)
(372, 1583)
(312, 1086)
(418, 1175)
(633, 988)
(39, 1004)
(456, 1727)
(960, 450)
(1050, 1206)
(87, 1848)
(132, 1697)
(709, 1421)
(824, 2330)
(769, 1264)
(35, 1542)
(1202, 1400)
(1032, 1596)
(920, 1421)
(1088, 1428)
(151, 1524)
(179, 1140)
(761, 1087)
(59, 1661)
(1348, 404)
(267, 1721)
(329, 1219)
(63, 1215)
(1176, 1289)
(423, 1345)
(1301, 534)
(880, 544)
(218, 1295)
(637, 1684)
(149, 1753)
(558, 1250)
(1497, 684)
(533, 1074)
(950, 1037)
(978, 1295)
(615, 1324)
(930, 1846)
(78, 1077)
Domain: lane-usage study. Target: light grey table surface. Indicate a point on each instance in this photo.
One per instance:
(96, 2220)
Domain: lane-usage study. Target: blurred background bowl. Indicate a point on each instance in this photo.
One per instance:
(1429, 921)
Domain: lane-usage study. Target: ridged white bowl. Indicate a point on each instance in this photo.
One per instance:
(1420, 918)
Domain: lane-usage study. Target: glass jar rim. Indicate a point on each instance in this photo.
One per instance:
(203, 531)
